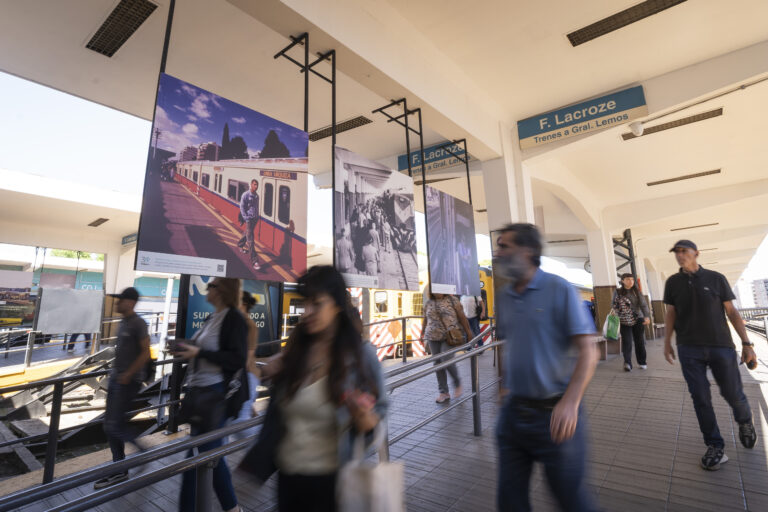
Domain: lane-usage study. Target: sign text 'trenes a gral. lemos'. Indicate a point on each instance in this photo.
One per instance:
(585, 117)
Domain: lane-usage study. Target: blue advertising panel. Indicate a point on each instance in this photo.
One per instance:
(264, 313)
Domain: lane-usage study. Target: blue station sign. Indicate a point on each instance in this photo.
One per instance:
(435, 157)
(585, 117)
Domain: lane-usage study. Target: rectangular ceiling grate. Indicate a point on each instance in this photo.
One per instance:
(684, 177)
(697, 226)
(620, 20)
(98, 222)
(120, 25)
(343, 126)
(572, 240)
(675, 124)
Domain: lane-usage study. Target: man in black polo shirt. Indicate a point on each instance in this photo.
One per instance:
(698, 301)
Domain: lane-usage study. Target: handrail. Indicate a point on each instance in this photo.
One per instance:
(203, 461)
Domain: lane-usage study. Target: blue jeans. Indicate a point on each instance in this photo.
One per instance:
(222, 479)
(724, 364)
(474, 326)
(523, 436)
(246, 411)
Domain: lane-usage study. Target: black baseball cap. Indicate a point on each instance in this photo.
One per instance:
(129, 293)
(684, 243)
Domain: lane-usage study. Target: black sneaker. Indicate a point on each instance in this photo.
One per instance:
(747, 434)
(108, 481)
(713, 458)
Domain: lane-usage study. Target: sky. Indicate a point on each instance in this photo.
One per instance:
(188, 116)
(53, 134)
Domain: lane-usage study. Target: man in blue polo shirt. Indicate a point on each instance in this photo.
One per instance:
(549, 360)
(698, 300)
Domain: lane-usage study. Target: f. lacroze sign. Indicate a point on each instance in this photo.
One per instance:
(585, 117)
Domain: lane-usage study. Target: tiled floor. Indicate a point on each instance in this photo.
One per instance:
(644, 452)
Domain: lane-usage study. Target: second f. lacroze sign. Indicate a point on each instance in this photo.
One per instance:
(585, 117)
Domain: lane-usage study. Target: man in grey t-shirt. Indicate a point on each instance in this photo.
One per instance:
(131, 356)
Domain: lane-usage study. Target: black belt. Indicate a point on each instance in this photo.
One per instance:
(537, 403)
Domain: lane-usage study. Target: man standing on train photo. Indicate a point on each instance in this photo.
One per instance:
(249, 209)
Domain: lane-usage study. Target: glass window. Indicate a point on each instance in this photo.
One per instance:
(399, 304)
(269, 192)
(194, 176)
(206, 181)
(241, 188)
(418, 304)
(380, 302)
(284, 205)
(232, 191)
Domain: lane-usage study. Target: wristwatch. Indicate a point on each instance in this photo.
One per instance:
(747, 344)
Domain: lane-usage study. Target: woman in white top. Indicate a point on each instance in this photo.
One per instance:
(327, 390)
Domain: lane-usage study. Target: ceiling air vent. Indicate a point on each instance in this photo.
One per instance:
(429, 182)
(684, 177)
(572, 240)
(343, 126)
(620, 20)
(698, 226)
(648, 130)
(98, 222)
(120, 25)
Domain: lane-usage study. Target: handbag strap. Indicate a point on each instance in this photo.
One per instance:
(440, 317)
(379, 441)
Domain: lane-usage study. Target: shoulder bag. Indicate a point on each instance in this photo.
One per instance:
(453, 337)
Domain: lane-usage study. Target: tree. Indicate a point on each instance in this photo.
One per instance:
(225, 144)
(273, 147)
(238, 148)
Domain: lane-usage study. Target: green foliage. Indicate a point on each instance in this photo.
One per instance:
(66, 253)
(274, 147)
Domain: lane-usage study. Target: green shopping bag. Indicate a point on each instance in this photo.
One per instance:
(611, 326)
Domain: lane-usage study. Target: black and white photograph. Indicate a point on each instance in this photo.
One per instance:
(374, 226)
(452, 247)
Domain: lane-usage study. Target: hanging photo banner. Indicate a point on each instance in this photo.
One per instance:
(17, 304)
(263, 314)
(454, 268)
(225, 192)
(375, 230)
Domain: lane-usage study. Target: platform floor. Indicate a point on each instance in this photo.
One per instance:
(644, 452)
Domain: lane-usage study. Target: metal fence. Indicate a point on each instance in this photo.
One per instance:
(204, 462)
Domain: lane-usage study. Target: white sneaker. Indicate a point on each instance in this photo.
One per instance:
(643, 366)
(627, 367)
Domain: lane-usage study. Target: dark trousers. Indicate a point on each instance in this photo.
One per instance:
(724, 364)
(523, 436)
(474, 326)
(222, 479)
(438, 347)
(119, 401)
(633, 333)
(306, 493)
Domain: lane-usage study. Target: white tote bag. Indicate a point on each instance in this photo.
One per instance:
(365, 486)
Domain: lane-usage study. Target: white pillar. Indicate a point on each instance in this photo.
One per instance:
(118, 269)
(601, 258)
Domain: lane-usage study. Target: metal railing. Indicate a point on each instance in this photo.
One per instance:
(205, 461)
(57, 398)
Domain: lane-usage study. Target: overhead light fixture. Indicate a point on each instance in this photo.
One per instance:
(673, 124)
(684, 177)
(710, 249)
(122, 22)
(620, 20)
(343, 126)
(697, 226)
(636, 128)
(98, 222)
(565, 241)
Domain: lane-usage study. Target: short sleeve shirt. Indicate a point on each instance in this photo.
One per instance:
(537, 325)
(132, 330)
(439, 312)
(698, 300)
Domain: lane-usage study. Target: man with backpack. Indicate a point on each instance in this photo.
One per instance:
(128, 372)
(473, 309)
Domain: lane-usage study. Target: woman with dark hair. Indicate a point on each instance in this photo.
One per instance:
(216, 352)
(443, 313)
(634, 316)
(328, 389)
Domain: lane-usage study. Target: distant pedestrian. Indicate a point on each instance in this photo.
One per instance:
(374, 234)
(387, 235)
(345, 252)
(371, 258)
(216, 352)
(249, 210)
(443, 313)
(549, 360)
(634, 315)
(473, 309)
(247, 303)
(697, 302)
(131, 356)
(73, 339)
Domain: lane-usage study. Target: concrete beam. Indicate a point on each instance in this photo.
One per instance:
(379, 48)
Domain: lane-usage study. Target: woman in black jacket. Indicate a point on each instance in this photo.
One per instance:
(216, 353)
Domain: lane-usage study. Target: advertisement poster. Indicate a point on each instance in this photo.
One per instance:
(453, 261)
(225, 192)
(263, 314)
(17, 304)
(375, 238)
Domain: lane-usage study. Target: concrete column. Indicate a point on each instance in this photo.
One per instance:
(118, 269)
(508, 183)
(604, 281)
(656, 288)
